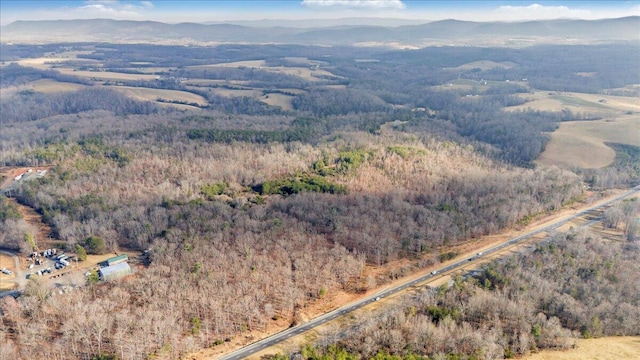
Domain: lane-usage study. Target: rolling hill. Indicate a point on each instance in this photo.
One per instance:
(445, 31)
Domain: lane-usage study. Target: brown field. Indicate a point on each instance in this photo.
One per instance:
(148, 94)
(281, 100)
(578, 102)
(50, 86)
(607, 348)
(235, 64)
(336, 86)
(485, 65)
(306, 73)
(582, 143)
(303, 72)
(254, 93)
(105, 75)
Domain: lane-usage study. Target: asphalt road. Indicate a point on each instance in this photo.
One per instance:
(286, 334)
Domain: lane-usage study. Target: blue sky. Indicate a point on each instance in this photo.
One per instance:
(221, 10)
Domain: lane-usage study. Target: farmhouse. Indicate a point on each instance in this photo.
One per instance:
(115, 272)
(117, 259)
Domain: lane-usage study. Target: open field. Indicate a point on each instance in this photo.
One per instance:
(606, 348)
(51, 86)
(281, 100)
(485, 65)
(577, 102)
(582, 143)
(147, 94)
(105, 75)
(235, 64)
(254, 93)
(307, 73)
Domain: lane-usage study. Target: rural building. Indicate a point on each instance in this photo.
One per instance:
(115, 272)
(117, 259)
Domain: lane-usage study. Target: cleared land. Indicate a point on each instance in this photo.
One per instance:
(51, 86)
(281, 100)
(582, 143)
(147, 94)
(105, 75)
(577, 102)
(485, 65)
(254, 93)
(7, 282)
(607, 348)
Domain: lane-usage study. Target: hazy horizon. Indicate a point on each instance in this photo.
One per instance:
(317, 10)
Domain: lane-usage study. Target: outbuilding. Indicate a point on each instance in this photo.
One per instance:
(117, 259)
(115, 272)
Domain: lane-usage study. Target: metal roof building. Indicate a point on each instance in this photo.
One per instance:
(114, 272)
(117, 259)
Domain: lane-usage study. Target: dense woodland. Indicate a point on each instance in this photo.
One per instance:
(575, 285)
(251, 212)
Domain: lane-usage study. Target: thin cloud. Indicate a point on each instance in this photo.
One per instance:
(113, 8)
(355, 4)
(538, 12)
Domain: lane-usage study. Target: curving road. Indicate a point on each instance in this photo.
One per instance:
(286, 334)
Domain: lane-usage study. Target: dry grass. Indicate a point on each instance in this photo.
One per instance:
(281, 100)
(235, 64)
(50, 86)
(485, 65)
(607, 348)
(105, 75)
(581, 143)
(305, 72)
(578, 102)
(147, 94)
(233, 93)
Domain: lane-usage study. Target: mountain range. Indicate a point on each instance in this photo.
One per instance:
(430, 33)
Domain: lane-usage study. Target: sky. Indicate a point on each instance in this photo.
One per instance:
(172, 11)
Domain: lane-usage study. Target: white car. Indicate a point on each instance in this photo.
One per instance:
(6, 271)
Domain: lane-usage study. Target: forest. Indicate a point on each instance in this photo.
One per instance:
(252, 212)
(575, 285)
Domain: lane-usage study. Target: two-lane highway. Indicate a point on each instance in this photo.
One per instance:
(297, 330)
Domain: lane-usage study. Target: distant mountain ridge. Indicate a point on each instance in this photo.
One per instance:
(106, 30)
